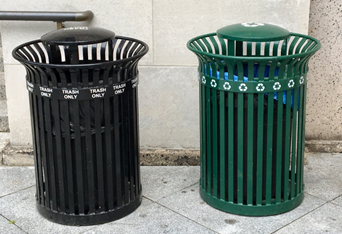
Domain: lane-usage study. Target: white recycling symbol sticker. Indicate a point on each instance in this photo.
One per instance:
(291, 83)
(203, 80)
(213, 83)
(260, 87)
(226, 86)
(276, 86)
(252, 24)
(243, 87)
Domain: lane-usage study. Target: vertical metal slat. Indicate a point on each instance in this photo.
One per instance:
(214, 141)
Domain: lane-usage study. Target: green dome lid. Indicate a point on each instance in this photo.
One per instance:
(257, 32)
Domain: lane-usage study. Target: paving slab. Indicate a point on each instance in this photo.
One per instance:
(189, 204)
(9, 228)
(322, 175)
(21, 207)
(13, 179)
(326, 219)
(159, 182)
(152, 219)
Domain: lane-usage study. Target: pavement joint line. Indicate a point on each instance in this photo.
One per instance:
(335, 198)
(331, 202)
(326, 202)
(170, 193)
(17, 191)
(13, 223)
(177, 191)
(187, 217)
(149, 200)
(90, 229)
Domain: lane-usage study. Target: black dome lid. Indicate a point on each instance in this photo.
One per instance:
(77, 35)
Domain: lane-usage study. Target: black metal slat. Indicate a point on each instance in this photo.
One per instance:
(109, 158)
(33, 53)
(98, 109)
(135, 135)
(124, 146)
(117, 140)
(57, 146)
(49, 153)
(41, 143)
(35, 128)
(40, 53)
(66, 146)
(92, 194)
(103, 51)
(77, 149)
(130, 142)
(133, 48)
(129, 132)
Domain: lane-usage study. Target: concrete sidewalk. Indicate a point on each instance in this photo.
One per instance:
(171, 204)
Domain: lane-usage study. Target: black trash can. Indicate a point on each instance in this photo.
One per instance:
(83, 97)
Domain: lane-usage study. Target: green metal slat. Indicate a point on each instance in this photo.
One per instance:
(207, 44)
(216, 48)
(223, 46)
(269, 149)
(300, 142)
(201, 95)
(239, 48)
(240, 148)
(209, 148)
(287, 144)
(222, 130)
(215, 142)
(275, 48)
(273, 66)
(307, 45)
(293, 44)
(221, 141)
(231, 141)
(240, 130)
(250, 136)
(294, 143)
(203, 47)
(249, 48)
(258, 49)
(204, 134)
(260, 153)
(267, 49)
(283, 47)
(231, 48)
(303, 136)
(300, 45)
(279, 157)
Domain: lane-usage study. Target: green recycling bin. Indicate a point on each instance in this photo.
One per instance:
(253, 80)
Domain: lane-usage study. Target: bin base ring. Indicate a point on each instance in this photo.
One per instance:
(92, 219)
(251, 210)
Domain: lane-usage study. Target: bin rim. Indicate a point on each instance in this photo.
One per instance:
(257, 58)
(88, 65)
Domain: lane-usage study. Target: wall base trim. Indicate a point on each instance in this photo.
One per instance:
(323, 146)
(23, 156)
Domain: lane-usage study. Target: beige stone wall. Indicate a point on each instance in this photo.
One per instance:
(168, 88)
(324, 99)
